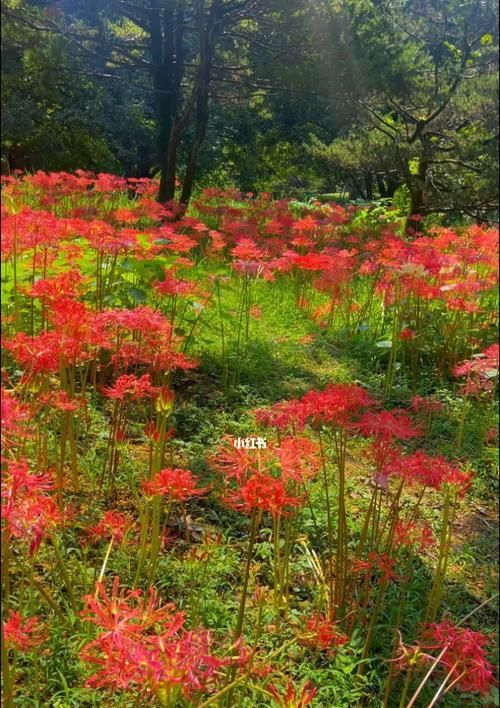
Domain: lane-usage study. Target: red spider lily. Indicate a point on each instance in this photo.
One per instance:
(407, 333)
(480, 370)
(55, 349)
(127, 614)
(21, 634)
(64, 285)
(61, 401)
(322, 633)
(113, 525)
(17, 479)
(336, 404)
(240, 463)
(247, 250)
(179, 243)
(152, 432)
(141, 336)
(388, 425)
(14, 415)
(255, 312)
(146, 646)
(176, 484)
(299, 458)
(34, 519)
(384, 563)
(381, 562)
(282, 415)
(133, 387)
(125, 216)
(465, 659)
(429, 471)
(292, 698)
(162, 665)
(312, 261)
(409, 657)
(262, 492)
(410, 534)
(425, 404)
(171, 285)
(27, 511)
(251, 268)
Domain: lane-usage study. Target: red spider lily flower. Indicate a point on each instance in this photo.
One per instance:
(336, 404)
(255, 312)
(307, 224)
(358, 566)
(145, 646)
(426, 404)
(34, 519)
(407, 333)
(292, 698)
(133, 387)
(282, 415)
(247, 250)
(465, 659)
(388, 425)
(384, 563)
(61, 401)
(70, 285)
(322, 633)
(22, 634)
(127, 614)
(179, 243)
(480, 370)
(429, 471)
(113, 525)
(176, 484)
(27, 511)
(171, 285)
(409, 656)
(125, 216)
(411, 535)
(262, 492)
(241, 463)
(375, 561)
(14, 416)
(17, 479)
(299, 458)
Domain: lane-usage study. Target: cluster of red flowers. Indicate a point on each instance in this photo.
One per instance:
(113, 525)
(334, 406)
(265, 479)
(144, 645)
(29, 511)
(480, 371)
(22, 634)
(323, 634)
(465, 657)
(174, 484)
(129, 386)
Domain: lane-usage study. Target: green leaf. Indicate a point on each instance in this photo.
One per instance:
(137, 295)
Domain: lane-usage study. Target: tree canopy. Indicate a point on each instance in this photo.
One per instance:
(296, 97)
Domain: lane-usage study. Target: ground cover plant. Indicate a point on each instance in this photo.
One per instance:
(248, 451)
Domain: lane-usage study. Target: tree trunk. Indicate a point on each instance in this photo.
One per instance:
(369, 186)
(207, 41)
(416, 187)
